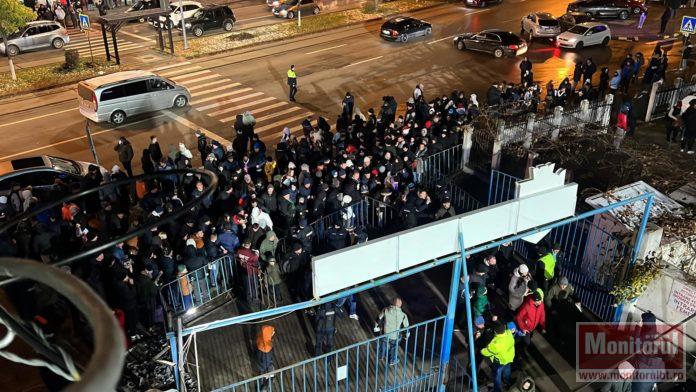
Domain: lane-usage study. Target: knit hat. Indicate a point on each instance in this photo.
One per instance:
(512, 326)
(648, 317)
(523, 269)
(191, 242)
(537, 296)
(479, 320)
(563, 281)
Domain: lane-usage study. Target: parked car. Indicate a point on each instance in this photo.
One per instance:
(497, 42)
(120, 95)
(540, 24)
(570, 19)
(403, 28)
(40, 172)
(621, 9)
(290, 8)
(40, 34)
(210, 18)
(584, 34)
(189, 8)
(143, 5)
(481, 3)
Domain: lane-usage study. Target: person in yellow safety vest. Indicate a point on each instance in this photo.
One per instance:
(292, 82)
(548, 263)
(501, 352)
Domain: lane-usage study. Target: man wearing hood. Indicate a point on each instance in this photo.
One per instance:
(518, 289)
(264, 345)
(268, 245)
(125, 154)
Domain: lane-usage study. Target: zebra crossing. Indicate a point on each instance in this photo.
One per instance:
(79, 41)
(220, 98)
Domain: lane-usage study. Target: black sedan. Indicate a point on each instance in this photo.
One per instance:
(621, 9)
(570, 19)
(497, 42)
(481, 3)
(403, 28)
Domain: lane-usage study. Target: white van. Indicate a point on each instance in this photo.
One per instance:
(121, 95)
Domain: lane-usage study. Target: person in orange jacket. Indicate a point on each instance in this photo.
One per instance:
(530, 316)
(264, 344)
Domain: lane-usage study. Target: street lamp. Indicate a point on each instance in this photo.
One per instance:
(183, 24)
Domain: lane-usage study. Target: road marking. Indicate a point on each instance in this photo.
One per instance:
(363, 61)
(36, 117)
(137, 36)
(256, 111)
(281, 122)
(212, 90)
(322, 50)
(216, 82)
(441, 39)
(218, 104)
(244, 105)
(192, 125)
(74, 138)
(180, 70)
(235, 92)
(211, 76)
(276, 114)
(192, 74)
(171, 66)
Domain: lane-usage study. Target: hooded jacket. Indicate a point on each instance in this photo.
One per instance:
(268, 246)
(517, 290)
(529, 316)
(264, 340)
(501, 349)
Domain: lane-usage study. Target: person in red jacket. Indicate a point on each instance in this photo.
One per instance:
(530, 316)
(248, 260)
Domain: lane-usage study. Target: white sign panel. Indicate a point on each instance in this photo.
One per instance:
(682, 298)
(546, 201)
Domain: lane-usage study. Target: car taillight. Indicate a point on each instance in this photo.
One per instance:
(94, 101)
(513, 47)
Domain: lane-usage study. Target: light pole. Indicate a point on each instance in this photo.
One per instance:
(183, 24)
(299, 17)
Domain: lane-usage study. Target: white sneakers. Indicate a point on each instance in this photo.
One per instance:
(354, 316)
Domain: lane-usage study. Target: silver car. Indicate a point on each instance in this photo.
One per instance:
(120, 95)
(36, 35)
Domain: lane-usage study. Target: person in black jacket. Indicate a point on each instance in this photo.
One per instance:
(325, 328)
(146, 291)
(689, 119)
(589, 71)
(125, 154)
(525, 66)
(125, 298)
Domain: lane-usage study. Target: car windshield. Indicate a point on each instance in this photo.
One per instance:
(64, 165)
(548, 22)
(578, 30)
(174, 8)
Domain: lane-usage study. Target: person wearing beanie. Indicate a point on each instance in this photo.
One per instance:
(501, 352)
(273, 277)
(530, 316)
(483, 334)
(547, 267)
(624, 384)
(518, 287)
(561, 290)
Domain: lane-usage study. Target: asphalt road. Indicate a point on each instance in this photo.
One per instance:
(351, 59)
(136, 40)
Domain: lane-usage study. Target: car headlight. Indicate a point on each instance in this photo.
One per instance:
(187, 25)
(283, 12)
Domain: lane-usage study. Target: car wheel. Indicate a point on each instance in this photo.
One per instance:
(141, 20)
(291, 15)
(589, 14)
(227, 26)
(498, 53)
(428, 31)
(403, 38)
(170, 25)
(605, 41)
(118, 117)
(636, 10)
(461, 45)
(316, 11)
(623, 15)
(57, 43)
(580, 45)
(197, 31)
(12, 50)
(180, 101)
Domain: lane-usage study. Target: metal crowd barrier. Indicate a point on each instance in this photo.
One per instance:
(200, 286)
(501, 187)
(359, 367)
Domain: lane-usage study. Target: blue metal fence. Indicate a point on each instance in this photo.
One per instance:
(361, 366)
(501, 187)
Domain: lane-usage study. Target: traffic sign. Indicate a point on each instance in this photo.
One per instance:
(688, 25)
(84, 22)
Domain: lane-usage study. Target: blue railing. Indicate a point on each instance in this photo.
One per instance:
(501, 187)
(358, 367)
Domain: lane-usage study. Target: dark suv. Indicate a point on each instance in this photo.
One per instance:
(211, 17)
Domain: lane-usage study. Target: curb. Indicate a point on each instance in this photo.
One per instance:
(637, 38)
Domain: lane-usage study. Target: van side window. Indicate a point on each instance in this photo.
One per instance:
(136, 88)
(110, 93)
(32, 31)
(158, 85)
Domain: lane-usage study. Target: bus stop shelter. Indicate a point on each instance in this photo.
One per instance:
(112, 23)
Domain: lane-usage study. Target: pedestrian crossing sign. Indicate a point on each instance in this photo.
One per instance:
(84, 22)
(688, 25)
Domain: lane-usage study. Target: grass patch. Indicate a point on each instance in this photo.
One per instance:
(46, 76)
(229, 41)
